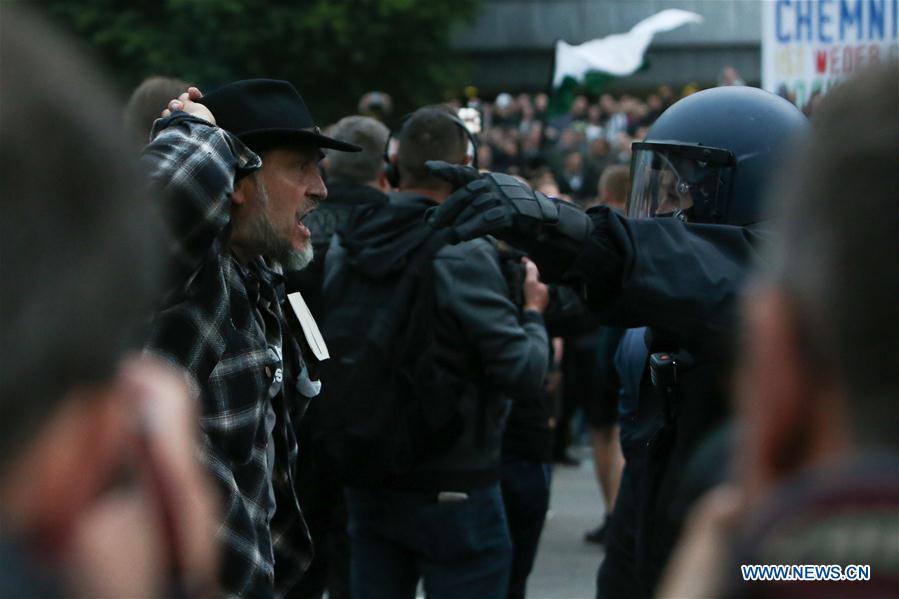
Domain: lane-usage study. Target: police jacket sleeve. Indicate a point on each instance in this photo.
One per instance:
(679, 278)
(514, 353)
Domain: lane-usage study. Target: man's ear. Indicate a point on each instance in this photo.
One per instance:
(382, 183)
(777, 391)
(244, 188)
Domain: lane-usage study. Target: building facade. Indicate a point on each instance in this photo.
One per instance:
(511, 44)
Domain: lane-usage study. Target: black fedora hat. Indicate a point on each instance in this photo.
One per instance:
(267, 112)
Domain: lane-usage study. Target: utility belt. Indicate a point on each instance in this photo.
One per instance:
(666, 370)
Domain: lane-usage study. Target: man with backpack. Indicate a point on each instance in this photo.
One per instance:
(427, 347)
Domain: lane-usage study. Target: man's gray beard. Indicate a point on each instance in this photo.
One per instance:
(294, 259)
(269, 244)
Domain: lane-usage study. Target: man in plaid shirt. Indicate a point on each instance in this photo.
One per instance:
(235, 196)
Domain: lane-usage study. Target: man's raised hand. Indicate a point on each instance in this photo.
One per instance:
(187, 102)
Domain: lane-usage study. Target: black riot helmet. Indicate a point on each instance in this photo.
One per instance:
(708, 157)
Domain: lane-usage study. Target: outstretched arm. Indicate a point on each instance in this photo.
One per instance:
(680, 278)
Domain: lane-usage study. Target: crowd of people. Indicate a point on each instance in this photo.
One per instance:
(248, 356)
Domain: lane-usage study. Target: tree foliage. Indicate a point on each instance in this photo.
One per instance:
(332, 50)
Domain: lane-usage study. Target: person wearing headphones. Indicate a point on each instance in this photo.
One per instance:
(443, 520)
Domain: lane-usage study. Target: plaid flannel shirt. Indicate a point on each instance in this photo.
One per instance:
(223, 322)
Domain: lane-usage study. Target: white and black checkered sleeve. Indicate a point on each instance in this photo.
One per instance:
(192, 166)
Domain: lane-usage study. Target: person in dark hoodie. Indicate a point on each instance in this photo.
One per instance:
(355, 180)
(444, 520)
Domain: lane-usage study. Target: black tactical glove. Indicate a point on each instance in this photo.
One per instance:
(552, 232)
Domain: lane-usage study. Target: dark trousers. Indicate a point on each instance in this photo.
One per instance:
(330, 569)
(617, 575)
(461, 548)
(525, 486)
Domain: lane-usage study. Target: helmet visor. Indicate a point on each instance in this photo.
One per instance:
(673, 180)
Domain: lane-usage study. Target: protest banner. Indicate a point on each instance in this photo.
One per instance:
(809, 46)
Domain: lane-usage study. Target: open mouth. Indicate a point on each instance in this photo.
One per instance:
(301, 218)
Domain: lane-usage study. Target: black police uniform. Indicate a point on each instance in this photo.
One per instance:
(703, 165)
(681, 280)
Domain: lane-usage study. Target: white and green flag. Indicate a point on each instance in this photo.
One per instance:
(589, 66)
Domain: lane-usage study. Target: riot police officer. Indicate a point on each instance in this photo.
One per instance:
(675, 264)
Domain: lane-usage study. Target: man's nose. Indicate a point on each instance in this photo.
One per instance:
(317, 191)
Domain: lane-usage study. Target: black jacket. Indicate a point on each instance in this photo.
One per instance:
(479, 339)
(317, 487)
(681, 279)
(223, 323)
(684, 282)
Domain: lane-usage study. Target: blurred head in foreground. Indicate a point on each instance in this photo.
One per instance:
(95, 450)
(818, 449)
(822, 368)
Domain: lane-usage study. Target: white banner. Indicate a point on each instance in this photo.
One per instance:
(809, 46)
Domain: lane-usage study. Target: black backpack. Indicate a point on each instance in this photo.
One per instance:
(385, 405)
